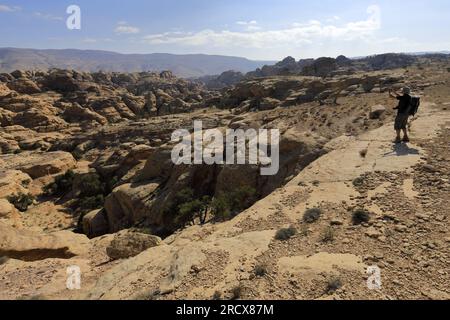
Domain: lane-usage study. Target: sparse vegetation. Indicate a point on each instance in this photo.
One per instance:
(91, 203)
(358, 182)
(91, 185)
(21, 201)
(32, 298)
(333, 284)
(220, 209)
(190, 208)
(304, 230)
(61, 185)
(260, 270)
(360, 216)
(77, 154)
(217, 295)
(285, 233)
(312, 215)
(327, 235)
(147, 296)
(448, 69)
(236, 292)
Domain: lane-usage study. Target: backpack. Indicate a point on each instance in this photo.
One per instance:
(414, 105)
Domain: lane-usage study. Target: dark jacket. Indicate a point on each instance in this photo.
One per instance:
(404, 102)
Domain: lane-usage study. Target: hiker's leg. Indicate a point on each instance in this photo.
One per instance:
(398, 134)
(405, 133)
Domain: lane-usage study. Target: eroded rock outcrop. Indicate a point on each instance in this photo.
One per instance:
(31, 246)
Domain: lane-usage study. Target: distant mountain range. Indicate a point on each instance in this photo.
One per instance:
(192, 65)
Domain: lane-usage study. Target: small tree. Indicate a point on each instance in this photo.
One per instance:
(220, 208)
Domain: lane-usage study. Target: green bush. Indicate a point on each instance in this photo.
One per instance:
(91, 186)
(448, 69)
(285, 233)
(87, 204)
(242, 198)
(21, 201)
(312, 215)
(227, 205)
(61, 185)
(360, 216)
(220, 208)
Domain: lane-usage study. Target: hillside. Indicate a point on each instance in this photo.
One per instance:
(195, 65)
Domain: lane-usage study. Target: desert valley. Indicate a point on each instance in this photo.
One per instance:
(86, 180)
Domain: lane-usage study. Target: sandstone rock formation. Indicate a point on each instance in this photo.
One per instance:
(91, 153)
(130, 243)
(29, 246)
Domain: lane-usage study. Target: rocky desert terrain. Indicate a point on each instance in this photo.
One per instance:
(86, 179)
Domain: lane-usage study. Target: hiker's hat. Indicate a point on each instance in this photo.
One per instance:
(406, 90)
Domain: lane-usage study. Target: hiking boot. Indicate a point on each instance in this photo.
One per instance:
(398, 140)
(405, 139)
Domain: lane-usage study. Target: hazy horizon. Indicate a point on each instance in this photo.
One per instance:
(256, 30)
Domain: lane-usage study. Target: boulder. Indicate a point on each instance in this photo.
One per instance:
(130, 243)
(128, 204)
(376, 112)
(95, 224)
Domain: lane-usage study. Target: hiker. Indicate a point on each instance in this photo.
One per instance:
(404, 111)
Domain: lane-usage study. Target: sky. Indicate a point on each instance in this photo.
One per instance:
(256, 29)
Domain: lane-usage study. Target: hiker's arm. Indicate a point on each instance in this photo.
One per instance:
(393, 94)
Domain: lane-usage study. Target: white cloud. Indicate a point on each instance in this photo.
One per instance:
(249, 25)
(124, 28)
(47, 16)
(5, 8)
(295, 35)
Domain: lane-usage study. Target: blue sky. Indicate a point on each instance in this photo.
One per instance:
(257, 29)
